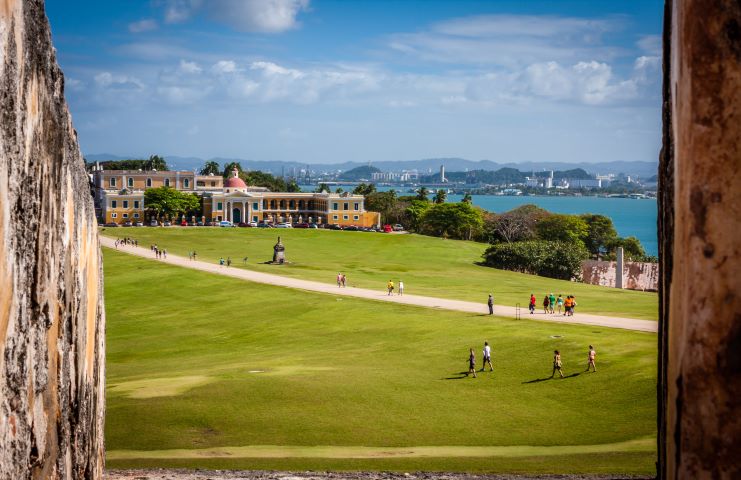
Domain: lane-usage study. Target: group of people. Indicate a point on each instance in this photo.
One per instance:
(341, 280)
(126, 241)
(191, 255)
(390, 287)
(553, 305)
(227, 262)
(158, 252)
(557, 362)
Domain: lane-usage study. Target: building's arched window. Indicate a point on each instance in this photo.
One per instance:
(282, 204)
(149, 182)
(112, 181)
(292, 204)
(272, 204)
(264, 204)
(301, 205)
(167, 182)
(131, 181)
(186, 183)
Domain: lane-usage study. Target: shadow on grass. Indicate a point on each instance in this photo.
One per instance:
(460, 376)
(538, 380)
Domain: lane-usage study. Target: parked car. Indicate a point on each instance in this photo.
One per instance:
(313, 225)
(200, 224)
(283, 225)
(387, 228)
(398, 227)
(166, 224)
(138, 224)
(335, 226)
(352, 228)
(243, 224)
(225, 223)
(252, 224)
(111, 225)
(300, 225)
(153, 223)
(127, 224)
(263, 225)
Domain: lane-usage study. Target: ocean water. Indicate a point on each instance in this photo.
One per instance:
(631, 217)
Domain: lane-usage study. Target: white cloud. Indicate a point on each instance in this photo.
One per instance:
(650, 44)
(107, 80)
(225, 66)
(144, 25)
(189, 67)
(264, 16)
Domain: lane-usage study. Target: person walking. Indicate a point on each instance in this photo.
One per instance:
(590, 359)
(546, 304)
(552, 299)
(221, 261)
(190, 255)
(390, 287)
(532, 303)
(559, 303)
(164, 253)
(490, 303)
(194, 255)
(401, 287)
(557, 363)
(487, 357)
(344, 280)
(228, 262)
(573, 305)
(339, 280)
(471, 363)
(567, 305)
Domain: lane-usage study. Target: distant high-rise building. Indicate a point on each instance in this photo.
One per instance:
(442, 174)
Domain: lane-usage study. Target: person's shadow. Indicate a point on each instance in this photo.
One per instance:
(460, 376)
(538, 380)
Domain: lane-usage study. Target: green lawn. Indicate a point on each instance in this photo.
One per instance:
(427, 265)
(208, 371)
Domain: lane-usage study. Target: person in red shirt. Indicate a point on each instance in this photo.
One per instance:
(532, 303)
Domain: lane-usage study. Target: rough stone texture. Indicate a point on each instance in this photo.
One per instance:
(700, 227)
(51, 297)
(636, 275)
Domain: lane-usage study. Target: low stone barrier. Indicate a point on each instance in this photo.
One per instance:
(636, 275)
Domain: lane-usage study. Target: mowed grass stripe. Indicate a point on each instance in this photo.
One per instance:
(428, 266)
(199, 361)
(283, 451)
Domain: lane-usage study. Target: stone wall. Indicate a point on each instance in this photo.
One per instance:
(636, 275)
(51, 298)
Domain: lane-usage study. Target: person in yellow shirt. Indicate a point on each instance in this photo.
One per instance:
(390, 287)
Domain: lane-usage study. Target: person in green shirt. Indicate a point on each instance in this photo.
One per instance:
(552, 298)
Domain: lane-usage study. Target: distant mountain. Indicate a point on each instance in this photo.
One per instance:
(423, 166)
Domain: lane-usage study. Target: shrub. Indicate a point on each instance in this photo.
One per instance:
(538, 257)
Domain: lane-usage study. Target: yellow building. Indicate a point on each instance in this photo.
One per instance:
(119, 198)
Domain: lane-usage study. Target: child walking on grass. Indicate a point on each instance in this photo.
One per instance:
(557, 363)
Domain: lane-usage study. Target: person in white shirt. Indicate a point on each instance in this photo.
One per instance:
(401, 287)
(487, 357)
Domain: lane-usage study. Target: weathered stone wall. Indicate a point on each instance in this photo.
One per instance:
(51, 298)
(700, 242)
(636, 275)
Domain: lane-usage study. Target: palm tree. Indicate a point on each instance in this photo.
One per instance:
(422, 194)
(440, 196)
(467, 198)
(210, 168)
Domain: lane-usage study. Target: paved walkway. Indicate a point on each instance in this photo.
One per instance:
(417, 300)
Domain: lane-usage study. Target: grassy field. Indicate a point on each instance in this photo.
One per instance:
(427, 265)
(214, 372)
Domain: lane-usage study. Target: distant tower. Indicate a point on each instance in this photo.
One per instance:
(442, 174)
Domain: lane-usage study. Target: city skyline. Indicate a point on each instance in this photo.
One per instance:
(326, 81)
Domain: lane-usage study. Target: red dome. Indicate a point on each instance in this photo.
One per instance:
(235, 182)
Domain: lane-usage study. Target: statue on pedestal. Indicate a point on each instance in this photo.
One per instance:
(279, 255)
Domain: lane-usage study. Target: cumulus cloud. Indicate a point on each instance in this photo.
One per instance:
(225, 66)
(144, 25)
(189, 67)
(110, 81)
(650, 44)
(264, 16)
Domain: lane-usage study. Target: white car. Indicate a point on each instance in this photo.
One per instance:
(284, 225)
(252, 224)
(225, 223)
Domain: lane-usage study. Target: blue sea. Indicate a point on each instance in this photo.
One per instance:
(632, 217)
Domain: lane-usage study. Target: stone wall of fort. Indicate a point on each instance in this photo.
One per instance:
(636, 275)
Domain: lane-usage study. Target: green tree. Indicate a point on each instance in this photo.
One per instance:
(632, 248)
(422, 194)
(262, 179)
(210, 168)
(563, 228)
(292, 186)
(538, 257)
(170, 203)
(383, 202)
(364, 189)
(440, 196)
(467, 198)
(452, 220)
(228, 167)
(157, 163)
(323, 187)
(601, 234)
(339, 190)
(518, 224)
(414, 213)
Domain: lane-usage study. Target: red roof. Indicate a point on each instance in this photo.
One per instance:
(235, 182)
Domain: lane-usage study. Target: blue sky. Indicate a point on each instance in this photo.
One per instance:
(327, 81)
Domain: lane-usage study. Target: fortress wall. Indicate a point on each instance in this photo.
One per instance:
(636, 275)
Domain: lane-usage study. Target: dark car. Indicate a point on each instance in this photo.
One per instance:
(334, 226)
(127, 224)
(352, 228)
(263, 225)
(243, 224)
(111, 225)
(200, 224)
(300, 225)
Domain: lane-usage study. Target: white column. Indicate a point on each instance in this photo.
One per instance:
(619, 268)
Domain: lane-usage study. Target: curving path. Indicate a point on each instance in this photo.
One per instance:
(417, 300)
